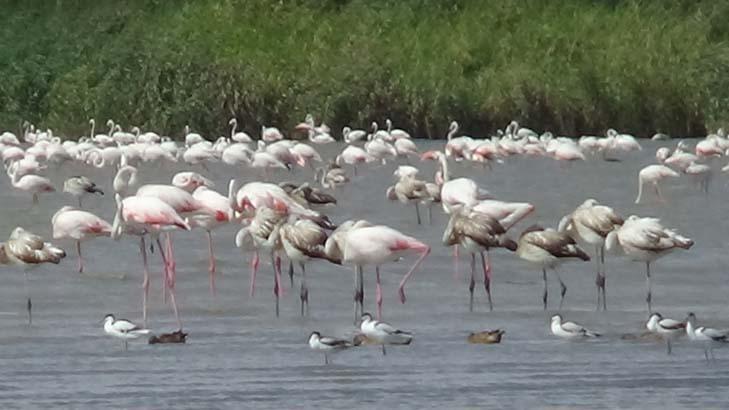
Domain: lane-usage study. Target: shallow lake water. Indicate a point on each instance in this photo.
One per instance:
(239, 355)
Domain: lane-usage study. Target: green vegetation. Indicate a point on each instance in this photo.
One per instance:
(571, 66)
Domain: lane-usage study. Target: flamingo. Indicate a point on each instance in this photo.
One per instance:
(69, 222)
(27, 249)
(591, 223)
(353, 155)
(303, 240)
(31, 183)
(477, 233)
(645, 240)
(653, 174)
(547, 249)
(360, 245)
(150, 215)
(262, 233)
(349, 135)
(238, 136)
(408, 189)
(221, 206)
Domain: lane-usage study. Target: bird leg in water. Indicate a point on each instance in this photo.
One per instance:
(648, 285)
(255, 260)
(276, 264)
(603, 277)
(211, 263)
(378, 293)
(486, 264)
(304, 293)
(563, 289)
(472, 282)
(417, 213)
(658, 193)
(145, 281)
(599, 280)
(167, 256)
(430, 213)
(544, 295)
(29, 304)
(79, 202)
(80, 258)
(456, 273)
(425, 251)
(291, 272)
(358, 296)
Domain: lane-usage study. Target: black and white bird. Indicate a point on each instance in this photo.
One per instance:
(667, 328)
(570, 330)
(383, 333)
(710, 337)
(79, 186)
(123, 329)
(327, 344)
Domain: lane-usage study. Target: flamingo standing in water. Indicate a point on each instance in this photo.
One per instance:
(26, 249)
(69, 222)
(591, 223)
(477, 233)
(359, 244)
(645, 240)
(547, 249)
(653, 174)
(150, 215)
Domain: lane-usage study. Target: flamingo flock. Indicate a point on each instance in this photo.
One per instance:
(285, 221)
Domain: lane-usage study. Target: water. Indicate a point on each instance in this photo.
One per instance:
(239, 355)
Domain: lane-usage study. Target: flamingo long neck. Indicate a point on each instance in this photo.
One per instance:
(111, 127)
(452, 131)
(235, 126)
(93, 125)
(444, 168)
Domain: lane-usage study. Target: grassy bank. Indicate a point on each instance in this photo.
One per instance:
(573, 66)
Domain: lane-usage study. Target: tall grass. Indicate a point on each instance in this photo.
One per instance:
(574, 66)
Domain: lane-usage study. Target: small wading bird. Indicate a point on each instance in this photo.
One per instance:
(326, 344)
(668, 329)
(383, 333)
(122, 329)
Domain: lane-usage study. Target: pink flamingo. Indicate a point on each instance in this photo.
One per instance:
(152, 215)
(31, 183)
(361, 245)
(653, 174)
(69, 222)
(220, 204)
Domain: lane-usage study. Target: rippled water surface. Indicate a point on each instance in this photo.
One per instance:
(239, 355)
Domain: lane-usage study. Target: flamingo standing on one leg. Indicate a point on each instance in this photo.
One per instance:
(69, 222)
(645, 240)
(27, 249)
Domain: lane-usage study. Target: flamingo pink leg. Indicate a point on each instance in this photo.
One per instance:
(358, 293)
(167, 255)
(425, 250)
(211, 266)
(254, 269)
(80, 258)
(486, 263)
(145, 281)
(378, 295)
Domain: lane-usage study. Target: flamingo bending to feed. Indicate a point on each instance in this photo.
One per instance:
(653, 174)
(645, 240)
(547, 249)
(72, 223)
(27, 249)
(591, 223)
